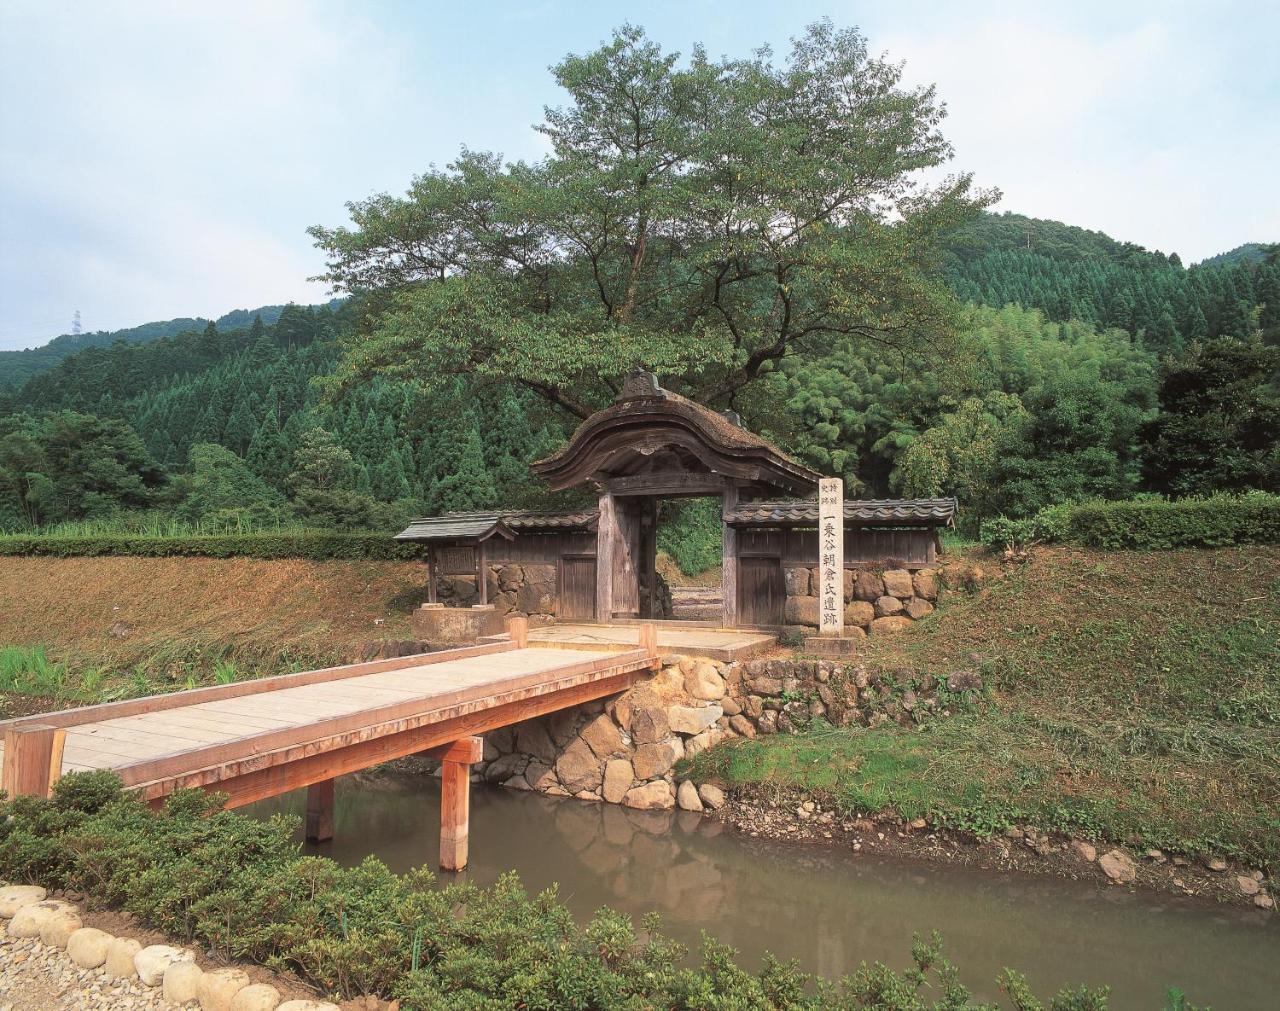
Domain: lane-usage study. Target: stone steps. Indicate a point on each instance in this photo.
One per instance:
(697, 603)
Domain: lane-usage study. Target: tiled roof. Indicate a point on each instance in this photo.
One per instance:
(471, 526)
(914, 512)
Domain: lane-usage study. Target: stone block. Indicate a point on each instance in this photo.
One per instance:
(692, 720)
(29, 920)
(796, 581)
(578, 768)
(120, 958)
(218, 988)
(704, 682)
(649, 725)
(59, 927)
(687, 797)
(655, 796)
(602, 736)
(858, 614)
(925, 582)
(887, 606)
(14, 897)
(256, 997)
(87, 947)
(801, 611)
(653, 760)
(711, 795)
(890, 625)
(533, 739)
(897, 583)
(867, 586)
(182, 982)
(618, 777)
(917, 608)
(151, 962)
(455, 626)
(830, 645)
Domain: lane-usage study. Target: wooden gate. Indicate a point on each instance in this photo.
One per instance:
(577, 588)
(762, 592)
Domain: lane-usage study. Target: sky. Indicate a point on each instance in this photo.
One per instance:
(164, 159)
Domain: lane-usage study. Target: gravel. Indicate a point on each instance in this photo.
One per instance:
(36, 977)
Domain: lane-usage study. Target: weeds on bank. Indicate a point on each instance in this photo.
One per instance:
(239, 885)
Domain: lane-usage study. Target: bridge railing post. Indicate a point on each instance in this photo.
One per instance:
(649, 642)
(32, 759)
(518, 630)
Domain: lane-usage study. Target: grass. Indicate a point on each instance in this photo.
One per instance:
(1130, 696)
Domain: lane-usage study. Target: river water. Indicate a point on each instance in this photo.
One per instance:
(829, 908)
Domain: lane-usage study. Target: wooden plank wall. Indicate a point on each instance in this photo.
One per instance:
(862, 546)
(544, 549)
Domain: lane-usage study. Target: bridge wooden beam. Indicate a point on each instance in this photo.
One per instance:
(320, 811)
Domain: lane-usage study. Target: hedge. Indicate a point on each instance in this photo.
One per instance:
(1148, 524)
(316, 545)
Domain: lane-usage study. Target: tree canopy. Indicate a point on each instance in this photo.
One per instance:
(705, 220)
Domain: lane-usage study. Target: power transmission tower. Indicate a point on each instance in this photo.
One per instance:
(76, 328)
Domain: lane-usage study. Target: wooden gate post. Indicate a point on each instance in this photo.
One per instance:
(456, 760)
(320, 811)
(649, 643)
(32, 759)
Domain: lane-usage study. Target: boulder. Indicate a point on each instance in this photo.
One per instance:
(701, 742)
(867, 586)
(704, 682)
(622, 709)
(87, 947)
(120, 958)
(687, 797)
(30, 919)
(1264, 901)
(712, 796)
(503, 768)
(918, 608)
(562, 725)
(890, 625)
(649, 725)
(532, 739)
(897, 583)
(652, 760)
(692, 720)
(59, 927)
(218, 988)
(1086, 850)
(1215, 864)
(1247, 885)
(578, 768)
(256, 997)
(801, 611)
(152, 961)
(730, 705)
(742, 726)
(603, 737)
(925, 582)
(510, 577)
(14, 897)
(307, 1005)
(796, 581)
(1118, 866)
(765, 685)
(650, 797)
(618, 776)
(858, 613)
(182, 982)
(540, 777)
(887, 606)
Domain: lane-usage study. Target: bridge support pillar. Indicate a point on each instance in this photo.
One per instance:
(455, 814)
(320, 811)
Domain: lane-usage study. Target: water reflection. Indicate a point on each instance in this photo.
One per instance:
(828, 908)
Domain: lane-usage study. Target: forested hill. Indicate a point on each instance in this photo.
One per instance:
(16, 367)
(1071, 273)
(1084, 368)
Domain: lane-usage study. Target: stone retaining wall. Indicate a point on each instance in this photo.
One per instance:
(528, 589)
(624, 750)
(876, 602)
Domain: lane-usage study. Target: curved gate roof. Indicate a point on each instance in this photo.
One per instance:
(647, 421)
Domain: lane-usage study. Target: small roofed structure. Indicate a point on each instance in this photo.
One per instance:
(454, 540)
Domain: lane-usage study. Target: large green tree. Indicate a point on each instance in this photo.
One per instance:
(706, 219)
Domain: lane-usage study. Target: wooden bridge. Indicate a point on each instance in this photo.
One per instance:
(257, 739)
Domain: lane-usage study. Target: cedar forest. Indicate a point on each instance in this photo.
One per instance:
(941, 349)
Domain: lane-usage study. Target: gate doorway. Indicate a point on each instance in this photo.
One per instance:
(762, 594)
(688, 565)
(577, 588)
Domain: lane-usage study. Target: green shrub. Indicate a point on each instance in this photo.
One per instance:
(1213, 522)
(316, 545)
(242, 887)
(1149, 523)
